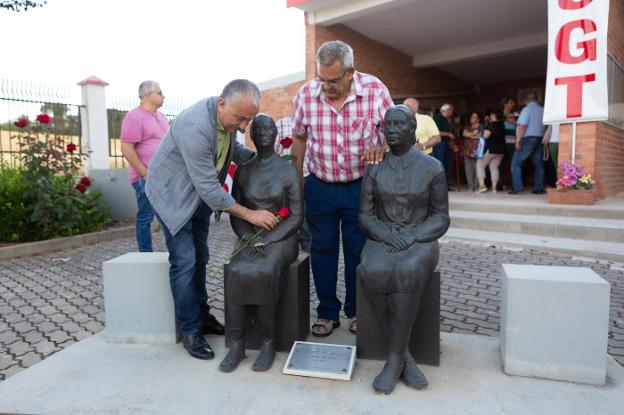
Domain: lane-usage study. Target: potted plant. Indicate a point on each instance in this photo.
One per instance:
(574, 187)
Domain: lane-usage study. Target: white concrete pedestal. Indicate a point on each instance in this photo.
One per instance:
(137, 299)
(554, 323)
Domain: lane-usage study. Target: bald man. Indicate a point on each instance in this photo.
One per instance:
(427, 133)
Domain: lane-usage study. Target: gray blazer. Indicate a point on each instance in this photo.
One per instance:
(183, 171)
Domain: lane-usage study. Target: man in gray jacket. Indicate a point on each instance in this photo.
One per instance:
(184, 185)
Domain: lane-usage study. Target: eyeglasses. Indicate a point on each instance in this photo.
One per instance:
(157, 92)
(335, 81)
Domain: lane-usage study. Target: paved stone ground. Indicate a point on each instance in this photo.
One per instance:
(48, 302)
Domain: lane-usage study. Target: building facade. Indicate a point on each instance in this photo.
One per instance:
(471, 53)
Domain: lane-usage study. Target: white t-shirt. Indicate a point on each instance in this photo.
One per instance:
(554, 135)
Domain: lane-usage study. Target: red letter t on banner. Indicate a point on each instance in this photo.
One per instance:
(574, 107)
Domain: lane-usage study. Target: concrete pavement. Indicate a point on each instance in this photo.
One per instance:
(49, 302)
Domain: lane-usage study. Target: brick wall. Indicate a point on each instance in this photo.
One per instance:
(390, 65)
(615, 36)
(609, 159)
(277, 102)
(600, 151)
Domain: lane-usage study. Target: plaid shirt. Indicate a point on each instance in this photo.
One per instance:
(338, 139)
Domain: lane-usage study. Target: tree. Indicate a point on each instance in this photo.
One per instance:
(21, 5)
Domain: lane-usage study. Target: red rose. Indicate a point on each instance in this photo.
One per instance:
(80, 187)
(21, 123)
(283, 212)
(43, 118)
(286, 142)
(86, 181)
(71, 147)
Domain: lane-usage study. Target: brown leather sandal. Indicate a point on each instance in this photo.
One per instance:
(353, 325)
(324, 327)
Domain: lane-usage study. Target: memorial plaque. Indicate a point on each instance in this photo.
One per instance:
(319, 360)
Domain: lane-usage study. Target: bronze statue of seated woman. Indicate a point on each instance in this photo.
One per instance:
(255, 279)
(403, 212)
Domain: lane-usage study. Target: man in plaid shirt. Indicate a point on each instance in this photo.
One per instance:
(337, 123)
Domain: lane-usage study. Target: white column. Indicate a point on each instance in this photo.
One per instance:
(94, 123)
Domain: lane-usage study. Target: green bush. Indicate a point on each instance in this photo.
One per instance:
(45, 197)
(48, 209)
(14, 218)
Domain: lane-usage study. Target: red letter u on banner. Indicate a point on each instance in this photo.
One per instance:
(573, 4)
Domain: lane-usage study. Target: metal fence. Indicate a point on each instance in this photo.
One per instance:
(119, 107)
(28, 99)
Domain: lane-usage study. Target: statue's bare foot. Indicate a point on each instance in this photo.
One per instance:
(387, 379)
(412, 376)
(234, 356)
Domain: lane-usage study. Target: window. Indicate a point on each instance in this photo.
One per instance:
(615, 79)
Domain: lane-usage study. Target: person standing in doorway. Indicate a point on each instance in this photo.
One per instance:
(510, 121)
(444, 150)
(529, 134)
(471, 134)
(427, 134)
(338, 124)
(142, 129)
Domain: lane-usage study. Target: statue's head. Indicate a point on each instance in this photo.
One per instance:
(400, 129)
(263, 132)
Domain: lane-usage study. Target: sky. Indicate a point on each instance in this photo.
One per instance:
(191, 47)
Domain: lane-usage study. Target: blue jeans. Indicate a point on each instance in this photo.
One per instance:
(188, 256)
(330, 209)
(442, 152)
(144, 217)
(530, 146)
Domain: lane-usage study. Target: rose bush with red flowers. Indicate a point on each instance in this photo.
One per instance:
(21, 122)
(44, 118)
(46, 196)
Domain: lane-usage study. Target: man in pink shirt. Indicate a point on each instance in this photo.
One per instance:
(142, 130)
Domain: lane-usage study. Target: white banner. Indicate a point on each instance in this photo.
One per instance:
(576, 83)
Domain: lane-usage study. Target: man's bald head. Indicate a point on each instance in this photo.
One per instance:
(412, 103)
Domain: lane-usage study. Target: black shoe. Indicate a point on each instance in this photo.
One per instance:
(451, 189)
(538, 192)
(513, 192)
(212, 326)
(197, 346)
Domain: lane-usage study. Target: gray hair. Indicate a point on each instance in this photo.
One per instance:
(330, 52)
(146, 87)
(531, 96)
(445, 107)
(239, 88)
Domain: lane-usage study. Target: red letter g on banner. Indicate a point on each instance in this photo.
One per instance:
(562, 42)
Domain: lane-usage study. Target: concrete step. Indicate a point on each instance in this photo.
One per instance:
(612, 251)
(607, 230)
(507, 206)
